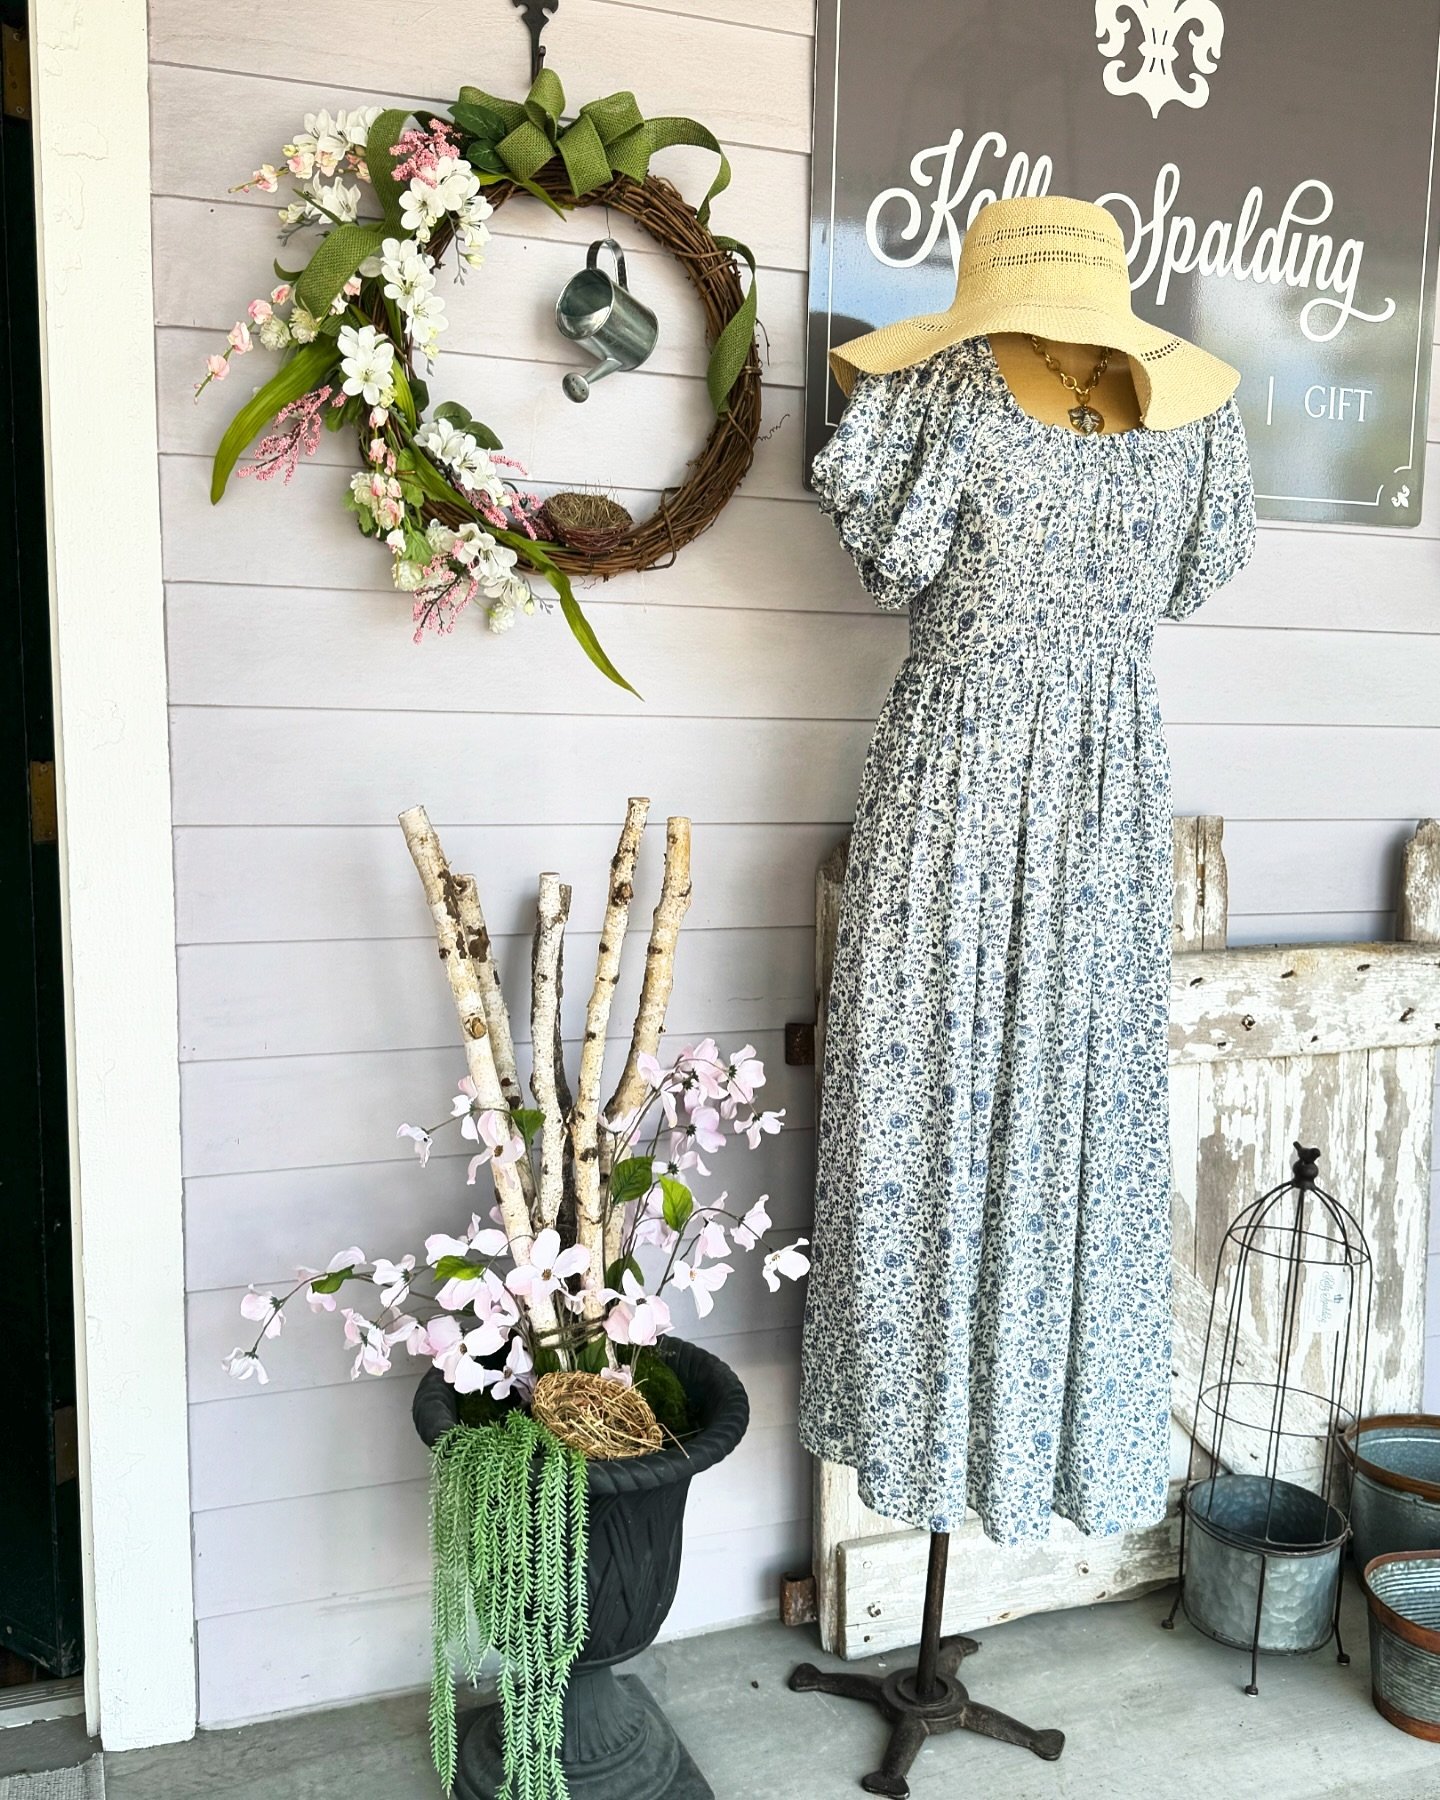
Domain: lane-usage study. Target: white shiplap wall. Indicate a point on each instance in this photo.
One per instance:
(1304, 706)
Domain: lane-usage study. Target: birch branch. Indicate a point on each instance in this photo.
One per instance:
(655, 991)
(497, 1014)
(442, 892)
(585, 1118)
(546, 1068)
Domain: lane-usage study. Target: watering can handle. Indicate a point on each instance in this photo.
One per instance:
(593, 259)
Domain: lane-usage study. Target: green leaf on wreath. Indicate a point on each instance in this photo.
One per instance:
(630, 1179)
(454, 414)
(679, 1202)
(580, 626)
(306, 369)
(484, 436)
(482, 121)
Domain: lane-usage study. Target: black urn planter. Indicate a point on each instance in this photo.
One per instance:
(618, 1745)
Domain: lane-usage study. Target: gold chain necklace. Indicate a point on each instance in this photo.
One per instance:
(1084, 416)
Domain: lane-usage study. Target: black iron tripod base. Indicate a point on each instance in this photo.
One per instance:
(913, 1719)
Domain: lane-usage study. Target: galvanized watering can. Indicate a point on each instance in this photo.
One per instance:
(598, 312)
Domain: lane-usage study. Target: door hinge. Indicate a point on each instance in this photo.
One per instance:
(67, 1445)
(44, 819)
(15, 56)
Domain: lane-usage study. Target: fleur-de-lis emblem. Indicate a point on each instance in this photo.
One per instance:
(1161, 23)
(1401, 496)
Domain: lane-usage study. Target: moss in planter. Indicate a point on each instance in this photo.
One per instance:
(661, 1386)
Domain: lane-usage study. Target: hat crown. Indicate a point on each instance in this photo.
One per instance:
(1039, 248)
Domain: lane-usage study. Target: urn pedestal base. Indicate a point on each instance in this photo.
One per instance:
(618, 1746)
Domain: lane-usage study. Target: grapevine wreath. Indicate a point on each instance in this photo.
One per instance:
(359, 322)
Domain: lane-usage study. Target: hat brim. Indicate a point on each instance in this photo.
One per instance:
(1175, 381)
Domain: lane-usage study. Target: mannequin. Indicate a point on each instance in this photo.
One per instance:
(1040, 476)
(1042, 396)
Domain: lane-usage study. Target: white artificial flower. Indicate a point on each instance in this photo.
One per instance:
(420, 209)
(408, 575)
(339, 200)
(440, 537)
(441, 439)
(455, 183)
(368, 360)
(319, 146)
(500, 617)
(492, 569)
(355, 125)
(304, 326)
(274, 333)
(406, 269)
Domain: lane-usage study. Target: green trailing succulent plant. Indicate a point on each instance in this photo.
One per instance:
(508, 1520)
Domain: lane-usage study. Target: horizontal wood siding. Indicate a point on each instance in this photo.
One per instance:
(1304, 705)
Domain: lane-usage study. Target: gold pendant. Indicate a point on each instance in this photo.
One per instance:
(1086, 420)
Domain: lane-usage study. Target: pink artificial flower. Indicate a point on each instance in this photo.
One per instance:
(547, 1266)
(748, 1233)
(259, 311)
(422, 1141)
(301, 423)
(702, 1283)
(279, 295)
(239, 339)
(393, 1279)
(342, 1259)
(705, 1128)
(219, 368)
(766, 1124)
(746, 1074)
(639, 1318)
(372, 1351)
(245, 1364)
(787, 1262)
(652, 1070)
(263, 1308)
(518, 1366)
(711, 1241)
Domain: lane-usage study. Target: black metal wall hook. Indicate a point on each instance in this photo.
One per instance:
(537, 15)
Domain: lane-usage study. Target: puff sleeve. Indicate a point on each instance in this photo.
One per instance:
(1222, 533)
(890, 477)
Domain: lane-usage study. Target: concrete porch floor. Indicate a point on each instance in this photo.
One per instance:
(1146, 1713)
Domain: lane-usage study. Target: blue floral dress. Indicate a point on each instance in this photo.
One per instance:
(988, 1318)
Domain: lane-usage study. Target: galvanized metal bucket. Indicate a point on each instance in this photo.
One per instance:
(1395, 1483)
(1403, 1594)
(1262, 1563)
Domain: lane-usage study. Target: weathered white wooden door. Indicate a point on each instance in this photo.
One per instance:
(1332, 1044)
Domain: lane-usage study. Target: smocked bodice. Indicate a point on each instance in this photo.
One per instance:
(1021, 544)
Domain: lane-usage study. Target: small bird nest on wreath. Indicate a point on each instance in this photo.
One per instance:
(590, 523)
(598, 1417)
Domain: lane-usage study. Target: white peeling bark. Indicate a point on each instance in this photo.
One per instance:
(585, 1118)
(546, 1077)
(443, 894)
(497, 1014)
(670, 910)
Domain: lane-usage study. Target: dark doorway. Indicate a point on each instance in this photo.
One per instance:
(40, 1595)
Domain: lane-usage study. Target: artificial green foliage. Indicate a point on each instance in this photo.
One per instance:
(508, 1521)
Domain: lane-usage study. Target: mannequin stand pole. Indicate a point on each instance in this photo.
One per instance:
(926, 1700)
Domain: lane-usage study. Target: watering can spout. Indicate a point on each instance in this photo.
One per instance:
(578, 386)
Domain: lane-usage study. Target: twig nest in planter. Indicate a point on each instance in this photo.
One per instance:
(596, 1416)
(587, 522)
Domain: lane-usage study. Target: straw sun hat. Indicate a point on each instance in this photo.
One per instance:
(1057, 268)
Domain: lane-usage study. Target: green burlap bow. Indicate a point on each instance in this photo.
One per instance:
(608, 137)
